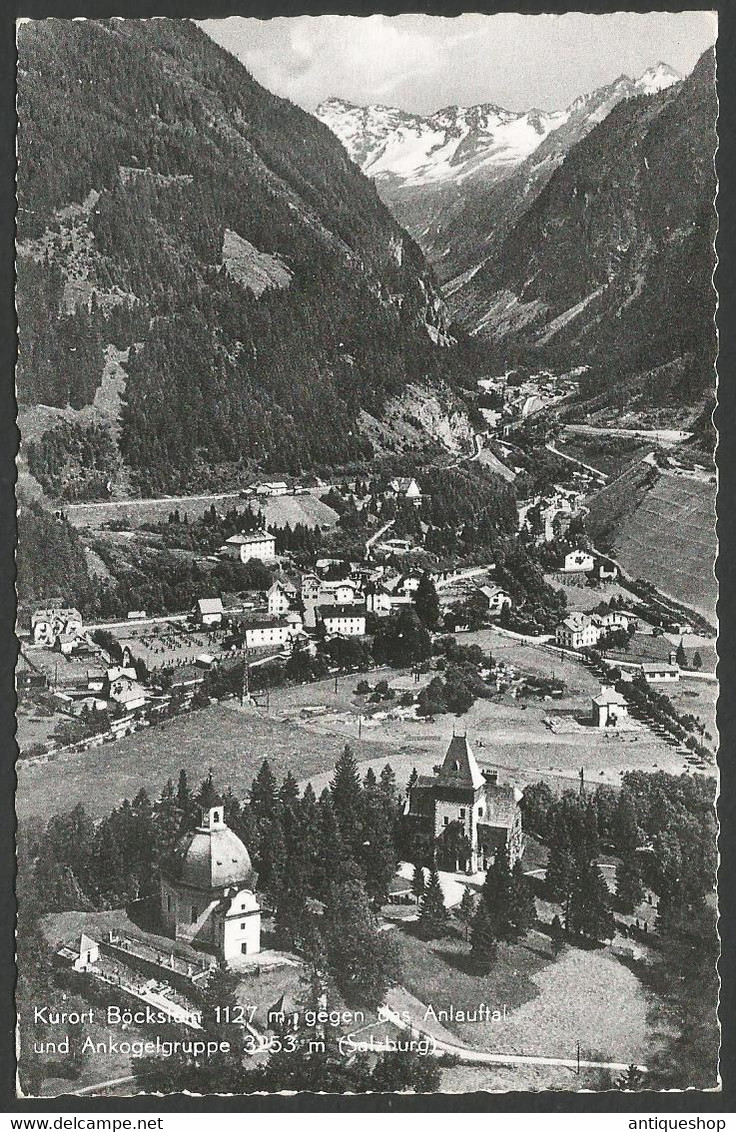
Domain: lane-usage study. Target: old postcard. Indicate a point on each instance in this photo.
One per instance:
(366, 602)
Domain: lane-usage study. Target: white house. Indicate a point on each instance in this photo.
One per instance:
(310, 587)
(279, 599)
(343, 620)
(269, 632)
(80, 954)
(210, 611)
(578, 562)
(614, 619)
(65, 642)
(609, 708)
(48, 624)
(577, 631)
(660, 673)
(378, 600)
(128, 693)
(497, 599)
(408, 583)
(273, 487)
(257, 544)
(343, 592)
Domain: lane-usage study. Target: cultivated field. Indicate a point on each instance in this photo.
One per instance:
(278, 511)
(665, 535)
(234, 741)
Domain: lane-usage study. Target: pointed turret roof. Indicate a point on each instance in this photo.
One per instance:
(460, 767)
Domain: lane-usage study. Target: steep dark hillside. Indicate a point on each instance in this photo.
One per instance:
(170, 205)
(611, 264)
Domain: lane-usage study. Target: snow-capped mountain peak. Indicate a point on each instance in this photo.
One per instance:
(401, 150)
(657, 78)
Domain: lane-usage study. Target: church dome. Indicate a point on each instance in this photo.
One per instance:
(210, 857)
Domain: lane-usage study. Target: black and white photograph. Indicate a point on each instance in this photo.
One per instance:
(366, 603)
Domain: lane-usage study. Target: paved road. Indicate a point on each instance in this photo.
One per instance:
(483, 1057)
(573, 460)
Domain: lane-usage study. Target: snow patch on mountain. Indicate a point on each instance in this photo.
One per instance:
(457, 143)
(657, 78)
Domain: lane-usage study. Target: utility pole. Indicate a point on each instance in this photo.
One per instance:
(578, 1060)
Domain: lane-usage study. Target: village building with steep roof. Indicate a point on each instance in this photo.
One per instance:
(464, 815)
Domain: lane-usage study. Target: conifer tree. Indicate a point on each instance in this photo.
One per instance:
(629, 887)
(522, 907)
(346, 794)
(334, 861)
(433, 914)
(185, 801)
(496, 895)
(466, 911)
(426, 602)
(387, 783)
(289, 791)
(590, 903)
(263, 792)
(484, 945)
(417, 883)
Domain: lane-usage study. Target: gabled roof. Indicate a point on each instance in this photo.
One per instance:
(610, 696)
(577, 621)
(460, 767)
(492, 591)
(210, 605)
(254, 536)
(68, 613)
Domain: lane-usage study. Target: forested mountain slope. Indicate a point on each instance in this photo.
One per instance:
(171, 206)
(611, 265)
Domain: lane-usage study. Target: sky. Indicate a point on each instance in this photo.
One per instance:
(422, 63)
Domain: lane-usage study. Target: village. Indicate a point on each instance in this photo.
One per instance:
(363, 625)
(82, 685)
(408, 662)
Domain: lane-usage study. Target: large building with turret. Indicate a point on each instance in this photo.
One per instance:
(461, 814)
(208, 889)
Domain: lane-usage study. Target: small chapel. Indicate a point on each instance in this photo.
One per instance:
(462, 814)
(208, 885)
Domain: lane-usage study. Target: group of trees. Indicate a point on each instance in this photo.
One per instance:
(340, 849)
(682, 725)
(73, 462)
(505, 912)
(661, 827)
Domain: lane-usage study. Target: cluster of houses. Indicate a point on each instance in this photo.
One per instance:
(57, 628)
(582, 630)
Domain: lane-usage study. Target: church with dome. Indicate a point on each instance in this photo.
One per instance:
(208, 889)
